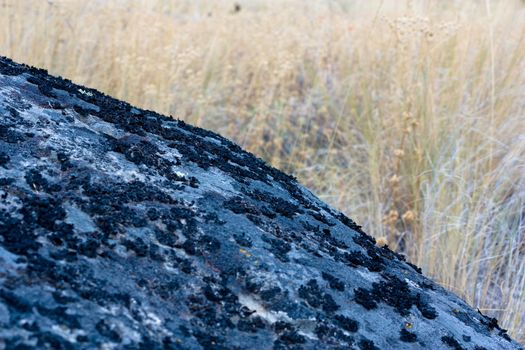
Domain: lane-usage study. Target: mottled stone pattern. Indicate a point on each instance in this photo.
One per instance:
(124, 229)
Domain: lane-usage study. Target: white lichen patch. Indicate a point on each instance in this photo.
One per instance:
(412, 283)
(127, 173)
(98, 125)
(80, 220)
(67, 333)
(369, 276)
(84, 92)
(309, 335)
(152, 320)
(269, 316)
(8, 260)
(11, 204)
(180, 173)
(214, 180)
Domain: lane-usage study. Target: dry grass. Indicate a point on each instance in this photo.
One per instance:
(408, 116)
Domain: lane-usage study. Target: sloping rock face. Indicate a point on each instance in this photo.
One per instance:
(124, 229)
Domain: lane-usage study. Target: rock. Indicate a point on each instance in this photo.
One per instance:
(121, 228)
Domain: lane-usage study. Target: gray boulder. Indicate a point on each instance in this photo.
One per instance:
(124, 229)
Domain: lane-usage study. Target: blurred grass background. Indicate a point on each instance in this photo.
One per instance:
(409, 116)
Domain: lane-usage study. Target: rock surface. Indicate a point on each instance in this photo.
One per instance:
(124, 229)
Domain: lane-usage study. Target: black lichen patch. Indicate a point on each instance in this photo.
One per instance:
(140, 151)
(270, 293)
(357, 259)
(492, 323)
(278, 205)
(136, 245)
(62, 297)
(15, 301)
(375, 253)
(416, 268)
(49, 340)
(364, 298)
(36, 181)
(240, 206)
(89, 248)
(60, 316)
(282, 326)
(321, 218)
(109, 331)
(347, 323)
(289, 337)
(334, 282)
(329, 244)
(45, 88)
(251, 324)
(9, 135)
(395, 293)
(352, 225)
(206, 311)
(314, 296)
(406, 336)
(243, 240)
(209, 340)
(451, 342)
(331, 334)
(425, 308)
(278, 248)
(4, 159)
(366, 344)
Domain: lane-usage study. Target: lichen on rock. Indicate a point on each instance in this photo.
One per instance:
(121, 228)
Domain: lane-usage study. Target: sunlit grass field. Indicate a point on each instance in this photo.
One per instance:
(409, 116)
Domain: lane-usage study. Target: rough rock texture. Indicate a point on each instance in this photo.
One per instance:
(121, 228)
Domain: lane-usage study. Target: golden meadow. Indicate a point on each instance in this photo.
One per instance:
(409, 116)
